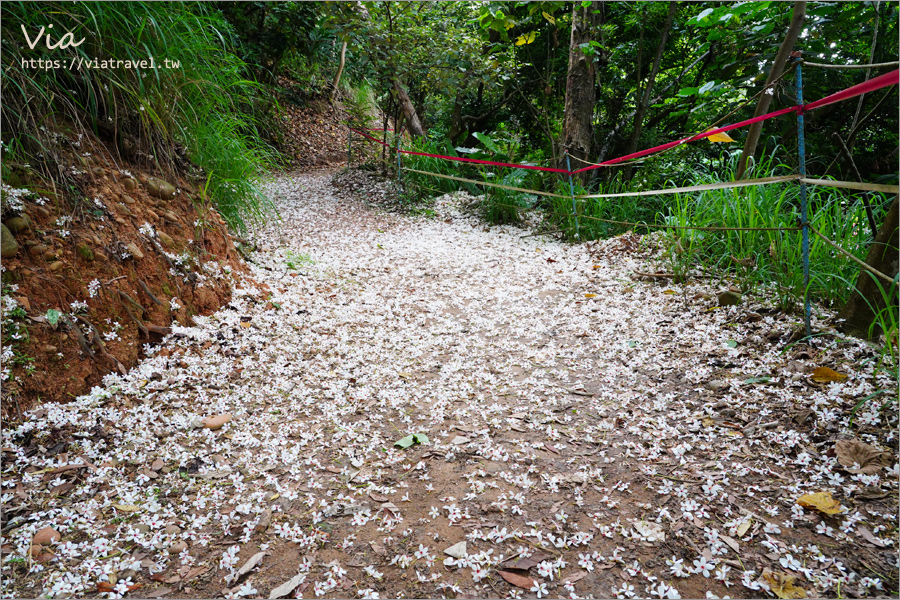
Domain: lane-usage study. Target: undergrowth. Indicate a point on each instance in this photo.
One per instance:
(206, 107)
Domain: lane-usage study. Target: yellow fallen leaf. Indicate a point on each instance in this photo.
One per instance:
(743, 528)
(782, 585)
(245, 325)
(126, 507)
(597, 266)
(708, 422)
(826, 375)
(590, 295)
(669, 292)
(821, 501)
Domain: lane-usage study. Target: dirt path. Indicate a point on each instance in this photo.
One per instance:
(612, 437)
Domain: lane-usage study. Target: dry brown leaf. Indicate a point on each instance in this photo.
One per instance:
(527, 563)
(826, 375)
(732, 543)
(522, 581)
(869, 536)
(575, 577)
(782, 584)
(860, 457)
(821, 501)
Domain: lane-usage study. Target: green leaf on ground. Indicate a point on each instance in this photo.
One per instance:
(53, 316)
(413, 438)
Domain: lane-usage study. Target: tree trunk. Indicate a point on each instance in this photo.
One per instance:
(456, 116)
(337, 77)
(645, 98)
(762, 107)
(409, 111)
(577, 129)
(867, 299)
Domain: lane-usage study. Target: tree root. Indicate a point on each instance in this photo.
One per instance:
(79, 336)
(149, 293)
(98, 339)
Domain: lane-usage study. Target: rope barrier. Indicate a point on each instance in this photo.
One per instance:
(861, 263)
(659, 192)
(699, 188)
(653, 225)
(888, 79)
(871, 66)
(659, 226)
(854, 185)
(486, 183)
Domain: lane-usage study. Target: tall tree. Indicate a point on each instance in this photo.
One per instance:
(765, 99)
(648, 89)
(578, 115)
(867, 299)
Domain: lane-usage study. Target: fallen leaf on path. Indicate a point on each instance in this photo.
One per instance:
(732, 543)
(457, 550)
(522, 581)
(527, 563)
(126, 507)
(821, 501)
(652, 532)
(782, 584)
(250, 564)
(105, 587)
(869, 536)
(575, 577)
(826, 375)
(590, 295)
(288, 586)
(860, 457)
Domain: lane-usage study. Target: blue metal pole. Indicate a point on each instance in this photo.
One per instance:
(399, 182)
(572, 191)
(804, 205)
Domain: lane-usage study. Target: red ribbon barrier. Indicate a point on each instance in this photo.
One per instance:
(882, 81)
(487, 162)
(859, 89)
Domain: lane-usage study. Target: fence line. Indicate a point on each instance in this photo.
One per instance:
(871, 66)
(854, 185)
(886, 80)
(863, 264)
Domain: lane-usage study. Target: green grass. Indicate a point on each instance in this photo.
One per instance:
(207, 105)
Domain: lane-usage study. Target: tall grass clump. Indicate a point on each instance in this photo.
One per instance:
(205, 107)
(359, 102)
(421, 186)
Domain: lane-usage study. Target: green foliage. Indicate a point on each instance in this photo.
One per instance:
(205, 104)
(267, 31)
(359, 102)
